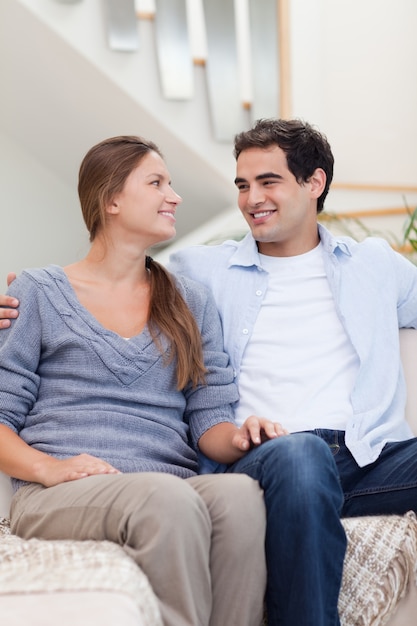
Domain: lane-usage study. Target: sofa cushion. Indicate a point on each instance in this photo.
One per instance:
(379, 567)
(70, 608)
(36, 566)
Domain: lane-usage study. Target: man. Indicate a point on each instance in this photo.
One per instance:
(311, 326)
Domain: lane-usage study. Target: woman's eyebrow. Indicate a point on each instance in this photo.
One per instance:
(156, 175)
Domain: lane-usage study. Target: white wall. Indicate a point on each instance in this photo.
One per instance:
(41, 228)
(354, 75)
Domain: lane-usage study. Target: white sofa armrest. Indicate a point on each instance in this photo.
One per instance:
(408, 346)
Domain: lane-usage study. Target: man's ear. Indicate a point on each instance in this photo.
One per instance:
(317, 182)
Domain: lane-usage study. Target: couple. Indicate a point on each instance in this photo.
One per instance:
(310, 324)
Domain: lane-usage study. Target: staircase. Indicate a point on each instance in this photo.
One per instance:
(68, 81)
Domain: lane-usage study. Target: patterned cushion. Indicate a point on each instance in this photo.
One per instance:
(4, 526)
(380, 564)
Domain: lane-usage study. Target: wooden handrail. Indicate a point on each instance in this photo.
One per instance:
(284, 54)
(361, 213)
(142, 15)
(364, 213)
(374, 187)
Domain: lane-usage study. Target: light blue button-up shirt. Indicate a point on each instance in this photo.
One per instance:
(375, 291)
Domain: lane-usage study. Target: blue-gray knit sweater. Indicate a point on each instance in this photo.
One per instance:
(68, 385)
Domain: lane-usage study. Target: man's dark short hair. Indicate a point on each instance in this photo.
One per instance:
(305, 147)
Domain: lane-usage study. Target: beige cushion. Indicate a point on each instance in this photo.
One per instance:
(70, 609)
(46, 568)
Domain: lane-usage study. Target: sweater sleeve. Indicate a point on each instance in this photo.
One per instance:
(211, 403)
(20, 349)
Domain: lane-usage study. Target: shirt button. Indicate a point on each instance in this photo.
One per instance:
(258, 292)
(245, 331)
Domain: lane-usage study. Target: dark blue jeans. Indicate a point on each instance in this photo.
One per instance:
(310, 480)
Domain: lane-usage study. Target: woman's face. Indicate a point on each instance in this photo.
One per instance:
(147, 204)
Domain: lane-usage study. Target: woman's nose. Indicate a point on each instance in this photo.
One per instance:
(174, 197)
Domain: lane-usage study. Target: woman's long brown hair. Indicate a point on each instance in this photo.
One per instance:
(170, 314)
(103, 173)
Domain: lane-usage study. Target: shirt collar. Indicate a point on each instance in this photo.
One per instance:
(247, 255)
(331, 242)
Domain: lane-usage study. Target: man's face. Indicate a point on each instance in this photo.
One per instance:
(281, 213)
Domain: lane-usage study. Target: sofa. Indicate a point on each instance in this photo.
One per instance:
(45, 583)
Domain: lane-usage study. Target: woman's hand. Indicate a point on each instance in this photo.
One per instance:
(255, 430)
(51, 471)
(19, 459)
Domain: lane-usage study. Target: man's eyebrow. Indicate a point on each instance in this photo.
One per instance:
(260, 177)
(269, 175)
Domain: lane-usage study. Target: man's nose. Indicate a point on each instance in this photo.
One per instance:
(256, 196)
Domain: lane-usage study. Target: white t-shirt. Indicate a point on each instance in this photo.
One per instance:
(299, 366)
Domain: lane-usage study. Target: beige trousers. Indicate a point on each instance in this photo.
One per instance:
(200, 541)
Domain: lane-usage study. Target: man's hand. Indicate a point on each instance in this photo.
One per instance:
(10, 278)
(255, 430)
(51, 471)
(8, 305)
(226, 443)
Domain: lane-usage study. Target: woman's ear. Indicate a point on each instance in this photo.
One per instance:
(317, 182)
(113, 208)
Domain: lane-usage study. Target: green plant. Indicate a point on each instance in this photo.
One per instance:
(410, 232)
(356, 228)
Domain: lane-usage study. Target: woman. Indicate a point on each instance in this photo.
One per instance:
(113, 379)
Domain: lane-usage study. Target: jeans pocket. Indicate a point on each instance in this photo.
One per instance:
(334, 448)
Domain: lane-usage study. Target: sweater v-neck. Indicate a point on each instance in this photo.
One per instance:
(65, 300)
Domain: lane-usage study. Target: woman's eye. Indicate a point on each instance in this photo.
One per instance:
(156, 183)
